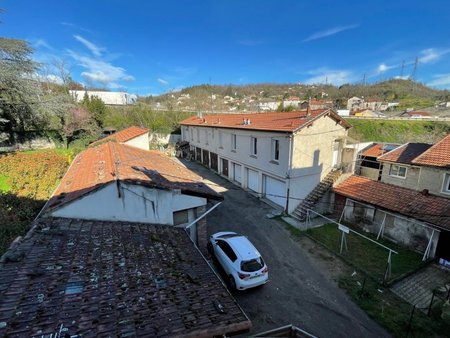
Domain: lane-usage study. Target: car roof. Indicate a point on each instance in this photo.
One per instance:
(243, 247)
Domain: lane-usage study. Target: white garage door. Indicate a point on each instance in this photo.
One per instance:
(237, 172)
(275, 190)
(252, 180)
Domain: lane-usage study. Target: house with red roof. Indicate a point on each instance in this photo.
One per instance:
(409, 202)
(118, 182)
(132, 136)
(279, 156)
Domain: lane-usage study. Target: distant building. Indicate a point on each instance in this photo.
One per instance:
(320, 104)
(343, 112)
(416, 114)
(268, 106)
(109, 98)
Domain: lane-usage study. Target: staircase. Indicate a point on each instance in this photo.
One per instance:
(314, 196)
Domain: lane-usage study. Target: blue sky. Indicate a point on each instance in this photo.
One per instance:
(150, 47)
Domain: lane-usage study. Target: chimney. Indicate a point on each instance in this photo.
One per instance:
(249, 122)
(308, 113)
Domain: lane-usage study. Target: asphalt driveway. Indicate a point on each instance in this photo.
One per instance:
(298, 293)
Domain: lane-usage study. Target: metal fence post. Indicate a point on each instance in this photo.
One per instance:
(410, 321)
(431, 303)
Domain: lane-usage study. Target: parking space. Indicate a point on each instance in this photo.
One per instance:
(298, 292)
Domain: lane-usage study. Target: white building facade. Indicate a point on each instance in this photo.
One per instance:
(280, 166)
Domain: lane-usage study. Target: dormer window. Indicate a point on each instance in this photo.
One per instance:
(398, 171)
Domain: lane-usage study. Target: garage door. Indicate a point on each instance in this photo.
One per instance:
(237, 172)
(252, 180)
(275, 190)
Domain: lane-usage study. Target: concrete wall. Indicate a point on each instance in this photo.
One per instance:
(137, 204)
(164, 138)
(371, 173)
(419, 178)
(410, 181)
(141, 142)
(405, 231)
(433, 180)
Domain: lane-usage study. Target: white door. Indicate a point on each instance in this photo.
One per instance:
(335, 160)
(275, 190)
(237, 172)
(252, 180)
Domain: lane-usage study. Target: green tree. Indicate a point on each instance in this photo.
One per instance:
(96, 107)
(20, 94)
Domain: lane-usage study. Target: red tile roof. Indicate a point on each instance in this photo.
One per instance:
(432, 209)
(123, 135)
(273, 121)
(112, 279)
(100, 165)
(437, 155)
(405, 153)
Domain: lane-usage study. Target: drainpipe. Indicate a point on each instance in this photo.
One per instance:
(288, 175)
(199, 218)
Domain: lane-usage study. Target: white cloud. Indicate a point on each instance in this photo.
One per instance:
(328, 32)
(100, 71)
(440, 80)
(97, 51)
(162, 82)
(41, 43)
(383, 68)
(432, 54)
(331, 76)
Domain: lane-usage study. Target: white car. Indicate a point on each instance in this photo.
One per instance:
(240, 260)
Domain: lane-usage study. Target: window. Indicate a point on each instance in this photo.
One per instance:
(227, 250)
(252, 265)
(446, 187)
(275, 150)
(233, 142)
(397, 171)
(180, 217)
(254, 145)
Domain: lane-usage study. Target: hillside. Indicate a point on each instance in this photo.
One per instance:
(225, 98)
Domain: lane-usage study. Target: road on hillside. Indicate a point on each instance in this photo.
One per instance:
(298, 292)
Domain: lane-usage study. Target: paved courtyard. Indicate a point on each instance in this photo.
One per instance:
(298, 292)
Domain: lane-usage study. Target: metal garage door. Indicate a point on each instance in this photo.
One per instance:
(275, 190)
(237, 172)
(252, 180)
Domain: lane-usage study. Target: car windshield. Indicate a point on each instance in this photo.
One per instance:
(252, 265)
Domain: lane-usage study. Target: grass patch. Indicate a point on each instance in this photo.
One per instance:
(392, 312)
(366, 255)
(4, 186)
(398, 131)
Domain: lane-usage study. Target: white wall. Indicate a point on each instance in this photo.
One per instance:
(113, 98)
(141, 142)
(209, 140)
(137, 204)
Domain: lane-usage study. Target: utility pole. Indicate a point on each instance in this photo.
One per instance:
(402, 69)
(414, 72)
(364, 80)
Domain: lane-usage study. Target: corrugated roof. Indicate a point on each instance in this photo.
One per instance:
(273, 121)
(405, 153)
(428, 208)
(437, 155)
(92, 278)
(100, 165)
(123, 135)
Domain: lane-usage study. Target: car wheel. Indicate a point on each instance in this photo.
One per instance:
(232, 283)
